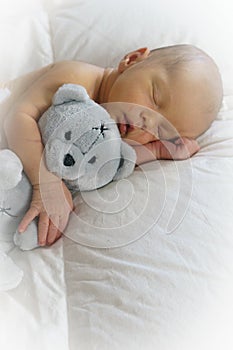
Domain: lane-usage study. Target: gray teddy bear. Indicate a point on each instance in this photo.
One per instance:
(82, 143)
(82, 146)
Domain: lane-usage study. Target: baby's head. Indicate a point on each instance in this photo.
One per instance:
(181, 83)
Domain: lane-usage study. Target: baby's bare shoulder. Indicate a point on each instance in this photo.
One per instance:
(32, 94)
(67, 72)
(52, 76)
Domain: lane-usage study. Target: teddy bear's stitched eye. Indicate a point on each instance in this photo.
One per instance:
(68, 135)
(103, 128)
(92, 160)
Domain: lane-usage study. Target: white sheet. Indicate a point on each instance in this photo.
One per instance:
(168, 283)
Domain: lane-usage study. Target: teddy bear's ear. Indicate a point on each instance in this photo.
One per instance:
(127, 162)
(70, 92)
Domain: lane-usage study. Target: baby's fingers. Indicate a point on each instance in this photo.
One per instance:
(53, 229)
(56, 228)
(189, 146)
(43, 226)
(27, 219)
(63, 223)
(50, 228)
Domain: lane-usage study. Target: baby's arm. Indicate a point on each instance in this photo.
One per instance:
(24, 139)
(180, 149)
(51, 200)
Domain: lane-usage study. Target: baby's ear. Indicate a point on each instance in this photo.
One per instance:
(133, 57)
(127, 162)
(68, 93)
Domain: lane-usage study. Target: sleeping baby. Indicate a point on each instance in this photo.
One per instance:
(161, 100)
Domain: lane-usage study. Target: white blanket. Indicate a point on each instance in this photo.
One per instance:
(155, 273)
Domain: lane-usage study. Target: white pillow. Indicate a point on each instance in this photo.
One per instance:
(102, 31)
(35, 33)
(25, 42)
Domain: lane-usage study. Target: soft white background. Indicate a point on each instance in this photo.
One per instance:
(162, 291)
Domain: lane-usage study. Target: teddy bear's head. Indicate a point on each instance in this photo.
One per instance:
(82, 143)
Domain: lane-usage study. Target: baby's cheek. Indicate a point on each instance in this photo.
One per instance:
(146, 137)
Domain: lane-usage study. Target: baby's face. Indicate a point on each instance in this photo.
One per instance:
(158, 103)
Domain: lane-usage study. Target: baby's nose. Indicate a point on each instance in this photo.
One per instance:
(150, 123)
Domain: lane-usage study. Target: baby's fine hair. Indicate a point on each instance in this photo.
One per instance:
(176, 56)
(185, 56)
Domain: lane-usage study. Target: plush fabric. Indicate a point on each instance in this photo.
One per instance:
(15, 193)
(82, 146)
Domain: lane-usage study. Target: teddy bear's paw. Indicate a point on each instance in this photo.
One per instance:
(27, 240)
(10, 274)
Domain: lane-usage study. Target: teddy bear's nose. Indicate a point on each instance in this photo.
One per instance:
(68, 160)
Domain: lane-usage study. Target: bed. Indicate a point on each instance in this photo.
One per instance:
(155, 271)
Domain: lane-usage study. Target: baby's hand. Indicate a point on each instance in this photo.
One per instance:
(182, 148)
(52, 203)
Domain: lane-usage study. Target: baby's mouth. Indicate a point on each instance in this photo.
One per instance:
(125, 128)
